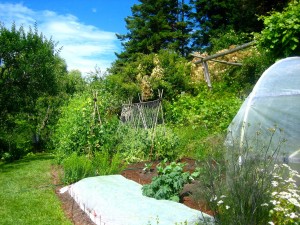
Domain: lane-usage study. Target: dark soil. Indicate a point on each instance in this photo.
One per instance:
(133, 172)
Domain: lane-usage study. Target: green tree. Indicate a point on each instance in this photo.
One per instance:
(213, 18)
(166, 70)
(30, 71)
(156, 25)
(74, 82)
(27, 71)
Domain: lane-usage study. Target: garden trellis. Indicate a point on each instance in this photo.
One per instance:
(143, 114)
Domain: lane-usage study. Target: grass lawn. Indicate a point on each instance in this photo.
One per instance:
(27, 195)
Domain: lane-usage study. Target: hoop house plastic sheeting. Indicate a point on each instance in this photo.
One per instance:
(273, 103)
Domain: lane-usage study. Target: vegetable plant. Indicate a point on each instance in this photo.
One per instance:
(169, 182)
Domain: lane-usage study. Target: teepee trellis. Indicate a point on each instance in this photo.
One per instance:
(96, 108)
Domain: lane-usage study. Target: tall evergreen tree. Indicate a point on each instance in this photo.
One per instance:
(155, 25)
(213, 18)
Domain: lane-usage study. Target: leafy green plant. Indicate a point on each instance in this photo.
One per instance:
(79, 129)
(281, 34)
(106, 164)
(212, 110)
(147, 168)
(169, 182)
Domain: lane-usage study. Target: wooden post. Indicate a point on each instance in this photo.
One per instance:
(206, 74)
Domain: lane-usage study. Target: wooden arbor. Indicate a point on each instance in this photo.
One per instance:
(204, 60)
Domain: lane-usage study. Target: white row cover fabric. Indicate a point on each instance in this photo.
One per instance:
(115, 200)
(273, 103)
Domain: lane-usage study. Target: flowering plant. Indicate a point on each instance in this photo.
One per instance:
(285, 194)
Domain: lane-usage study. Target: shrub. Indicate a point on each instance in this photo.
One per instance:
(79, 130)
(211, 110)
(280, 37)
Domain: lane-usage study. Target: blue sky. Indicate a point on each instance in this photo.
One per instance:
(85, 28)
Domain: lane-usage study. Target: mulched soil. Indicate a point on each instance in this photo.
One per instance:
(133, 172)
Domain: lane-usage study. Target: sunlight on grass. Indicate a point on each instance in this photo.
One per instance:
(27, 194)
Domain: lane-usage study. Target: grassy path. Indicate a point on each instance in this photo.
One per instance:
(27, 195)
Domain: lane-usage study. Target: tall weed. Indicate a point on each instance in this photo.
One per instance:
(236, 180)
(77, 167)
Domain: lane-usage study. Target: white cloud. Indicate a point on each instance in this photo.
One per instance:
(84, 46)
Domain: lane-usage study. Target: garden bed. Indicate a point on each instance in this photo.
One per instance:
(136, 173)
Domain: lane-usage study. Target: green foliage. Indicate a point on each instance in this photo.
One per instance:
(30, 70)
(77, 167)
(79, 129)
(215, 18)
(16, 139)
(156, 25)
(85, 137)
(212, 110)
(242, 79)
(166, 70)
(27, 69)
(169, 182)
(74, 83)
(225, 39)
(236, 180)
(280, 37)
(146, 144)
(105, 164)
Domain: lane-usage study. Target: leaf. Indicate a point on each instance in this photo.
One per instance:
(174, 198)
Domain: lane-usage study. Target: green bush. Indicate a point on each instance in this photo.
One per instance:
(16, 139)
(280, 37)
(165, 70)
(211, 110)
(225, 39)
(79, 130)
